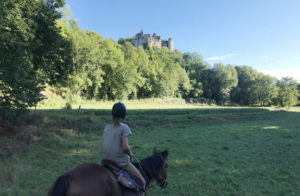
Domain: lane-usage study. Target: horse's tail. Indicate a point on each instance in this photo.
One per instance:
(61, 186)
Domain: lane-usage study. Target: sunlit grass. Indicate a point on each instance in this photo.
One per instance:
(151, 103)
(271, 127)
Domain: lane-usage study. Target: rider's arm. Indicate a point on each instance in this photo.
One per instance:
(126, 147)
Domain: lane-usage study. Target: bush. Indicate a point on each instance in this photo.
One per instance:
(202, 101)
(68, 106)
(72, 98)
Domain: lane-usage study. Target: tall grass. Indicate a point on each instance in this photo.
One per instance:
(60, 102)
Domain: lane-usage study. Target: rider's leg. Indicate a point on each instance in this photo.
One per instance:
(134, 172)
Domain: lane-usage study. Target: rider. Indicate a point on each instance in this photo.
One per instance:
(115, 142)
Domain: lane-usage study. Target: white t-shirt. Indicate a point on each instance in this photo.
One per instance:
(112, 143)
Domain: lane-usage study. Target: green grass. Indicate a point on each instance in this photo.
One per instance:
(213, 150)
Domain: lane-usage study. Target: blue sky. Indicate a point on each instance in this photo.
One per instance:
(264, 34)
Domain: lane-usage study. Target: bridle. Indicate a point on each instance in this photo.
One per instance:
(164, 177)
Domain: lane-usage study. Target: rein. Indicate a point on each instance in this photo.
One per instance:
(140, 166)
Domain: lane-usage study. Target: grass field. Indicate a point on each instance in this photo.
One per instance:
(213, 150)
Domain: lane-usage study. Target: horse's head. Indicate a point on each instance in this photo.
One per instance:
(161, 177)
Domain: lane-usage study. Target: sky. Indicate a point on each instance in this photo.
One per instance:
(263, 34)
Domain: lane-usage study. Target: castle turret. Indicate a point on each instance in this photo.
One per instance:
(140, 34)
(170, 44)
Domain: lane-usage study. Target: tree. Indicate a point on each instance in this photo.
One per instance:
(32, 51)
(194, 65)
(87, 54)
(114, 72)
(263, 90)
(169, 79)
(122, 41)
(241, 94)
(132, 77)
(218, 82)
(287, 92)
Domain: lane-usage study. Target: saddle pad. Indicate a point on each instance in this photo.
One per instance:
(125, 180)
(123, 177)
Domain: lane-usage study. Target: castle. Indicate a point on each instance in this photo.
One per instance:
(154, 40)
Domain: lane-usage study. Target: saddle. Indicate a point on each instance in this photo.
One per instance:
(130, 186)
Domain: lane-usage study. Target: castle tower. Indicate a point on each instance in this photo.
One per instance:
(141, 33)
(140, 39)
(170, 44)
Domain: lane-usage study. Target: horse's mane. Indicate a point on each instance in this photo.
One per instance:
(150, 165)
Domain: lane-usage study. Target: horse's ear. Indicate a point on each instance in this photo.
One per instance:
(165, 153)
(154, 150)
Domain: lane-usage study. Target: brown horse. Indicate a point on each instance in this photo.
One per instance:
(91, 179)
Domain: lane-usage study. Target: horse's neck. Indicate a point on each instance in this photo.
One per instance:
(144, 172)
(148, 167)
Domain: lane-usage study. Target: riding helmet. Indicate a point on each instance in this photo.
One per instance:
(119, 110)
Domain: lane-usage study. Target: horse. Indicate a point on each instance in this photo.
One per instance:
(91, 179)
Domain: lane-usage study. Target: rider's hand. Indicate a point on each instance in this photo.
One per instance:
(130, 154)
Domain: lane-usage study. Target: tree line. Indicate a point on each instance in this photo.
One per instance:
(38, 47)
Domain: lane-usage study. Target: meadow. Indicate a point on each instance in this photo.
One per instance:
(213, 150)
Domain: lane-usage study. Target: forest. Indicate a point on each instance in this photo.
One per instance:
(42, 46)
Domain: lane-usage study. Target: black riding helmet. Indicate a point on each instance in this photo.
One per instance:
(119, 110)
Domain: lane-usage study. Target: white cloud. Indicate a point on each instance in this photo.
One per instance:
(218, 58)
(295, 73)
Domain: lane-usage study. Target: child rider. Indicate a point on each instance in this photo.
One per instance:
(115, 142)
